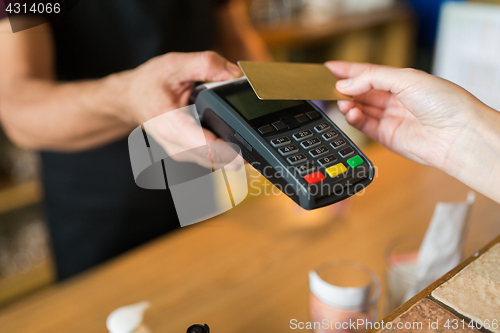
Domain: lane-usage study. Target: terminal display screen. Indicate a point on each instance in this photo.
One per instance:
(251, 107)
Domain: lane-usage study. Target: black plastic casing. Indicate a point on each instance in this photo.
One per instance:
(220, 116)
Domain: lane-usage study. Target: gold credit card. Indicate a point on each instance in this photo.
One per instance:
(291, 81)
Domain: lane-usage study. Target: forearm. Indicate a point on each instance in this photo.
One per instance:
(475, 158)
(45, 115)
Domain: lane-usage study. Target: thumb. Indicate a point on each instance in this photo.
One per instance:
(205, 66)
(394, 80)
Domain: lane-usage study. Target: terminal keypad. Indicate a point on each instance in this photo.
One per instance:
(317, 153)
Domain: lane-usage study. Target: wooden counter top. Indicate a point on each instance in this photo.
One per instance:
(246, 271)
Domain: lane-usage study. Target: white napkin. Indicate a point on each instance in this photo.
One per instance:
(441, 249)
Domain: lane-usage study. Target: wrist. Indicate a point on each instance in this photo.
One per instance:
(474, 156)
(467, 137)
(112, 97)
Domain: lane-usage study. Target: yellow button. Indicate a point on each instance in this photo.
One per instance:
(336, 170)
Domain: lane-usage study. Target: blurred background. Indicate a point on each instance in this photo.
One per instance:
(389, 32)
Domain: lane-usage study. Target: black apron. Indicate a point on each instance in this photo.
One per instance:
(94, 209)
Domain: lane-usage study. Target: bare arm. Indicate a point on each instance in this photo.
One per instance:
(39, 113)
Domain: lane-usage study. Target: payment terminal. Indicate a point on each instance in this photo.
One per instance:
(291, 143)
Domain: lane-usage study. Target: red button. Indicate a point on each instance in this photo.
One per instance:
(314, 178)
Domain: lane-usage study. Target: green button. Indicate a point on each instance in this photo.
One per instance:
(355, 161)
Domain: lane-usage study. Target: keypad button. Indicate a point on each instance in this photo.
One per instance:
(310, 143)
(355, 161)
(327, 160)
(319, 151)
(313, 114)
(314, 178)
(338, 143)
(266, 129)
(330, 135)
(288, 150)
(305, 168)
(322, 127)
(296, 159)
(302, 118)
(346, 152)
(279, 142)
(302, 135)
(290, 121)
(336, 170)
(279, 125)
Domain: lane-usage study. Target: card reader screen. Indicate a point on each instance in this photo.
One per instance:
(251, 107)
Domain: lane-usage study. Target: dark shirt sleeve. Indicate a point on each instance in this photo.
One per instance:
(3, 13)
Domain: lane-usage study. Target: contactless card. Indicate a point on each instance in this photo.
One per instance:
(291, 81)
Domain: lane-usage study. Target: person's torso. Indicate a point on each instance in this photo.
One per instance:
(97, 38)
(100, 37)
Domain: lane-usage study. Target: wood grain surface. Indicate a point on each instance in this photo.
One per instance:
(246, 270)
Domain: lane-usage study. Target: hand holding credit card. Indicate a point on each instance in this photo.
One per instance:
(291, 81)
